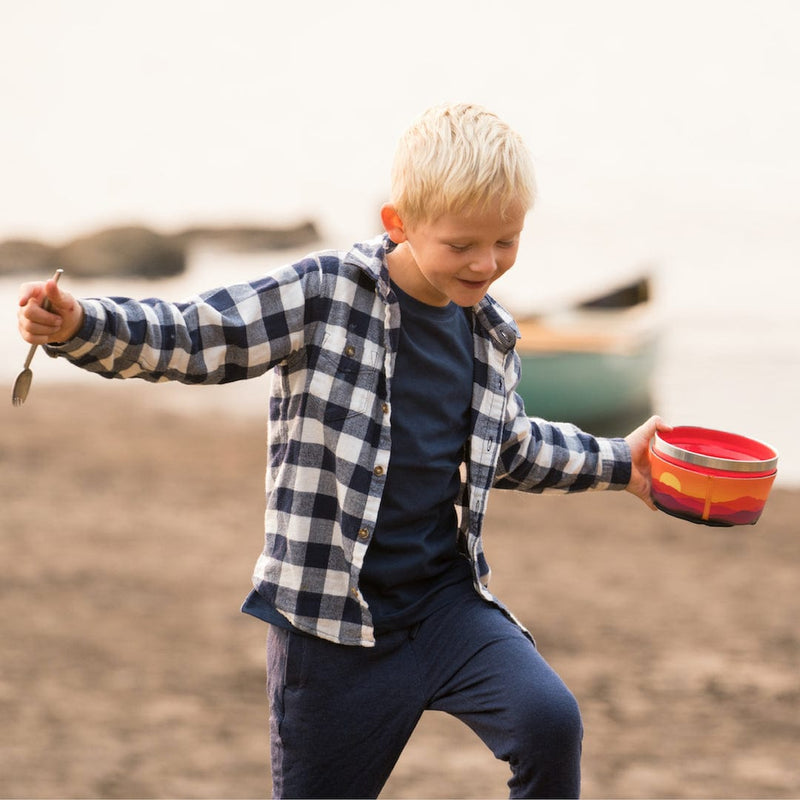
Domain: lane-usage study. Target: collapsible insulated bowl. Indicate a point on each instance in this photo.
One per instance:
(711, 477)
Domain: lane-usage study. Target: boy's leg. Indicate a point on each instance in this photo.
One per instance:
(339, 716)
(487, 673)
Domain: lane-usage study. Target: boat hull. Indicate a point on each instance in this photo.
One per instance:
(590, 388)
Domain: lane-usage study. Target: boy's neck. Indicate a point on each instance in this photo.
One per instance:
(404, 272)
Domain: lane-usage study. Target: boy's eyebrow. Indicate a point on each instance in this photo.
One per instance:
(467, 238)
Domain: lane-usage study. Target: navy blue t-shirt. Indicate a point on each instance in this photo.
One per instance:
(413, 564)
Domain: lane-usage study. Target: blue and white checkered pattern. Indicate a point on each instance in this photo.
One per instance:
(328, 327)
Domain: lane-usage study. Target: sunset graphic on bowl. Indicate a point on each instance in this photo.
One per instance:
(707, 495)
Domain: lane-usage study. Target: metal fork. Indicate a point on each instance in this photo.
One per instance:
(22, 384)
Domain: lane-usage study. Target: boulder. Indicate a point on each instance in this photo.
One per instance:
(137, 251)
(250, 238)
(28, 257)
(124, 251)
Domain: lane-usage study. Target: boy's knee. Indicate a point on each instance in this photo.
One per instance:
(552, 721)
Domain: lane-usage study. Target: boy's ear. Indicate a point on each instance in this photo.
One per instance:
(392, 223)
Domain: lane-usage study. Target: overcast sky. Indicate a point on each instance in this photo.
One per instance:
(176, 109)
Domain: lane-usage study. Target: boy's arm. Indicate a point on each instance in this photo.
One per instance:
(39, 326)
(542, 456)
(226, 334)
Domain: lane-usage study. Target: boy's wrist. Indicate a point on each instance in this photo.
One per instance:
(77, 322)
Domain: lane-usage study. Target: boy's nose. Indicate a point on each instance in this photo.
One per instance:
(486, 264)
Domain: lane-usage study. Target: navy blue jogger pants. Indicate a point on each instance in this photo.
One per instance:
(340, 716)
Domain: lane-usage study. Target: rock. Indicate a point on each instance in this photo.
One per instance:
(250, 238)
(26, 256)
(129, 251)
(141, 252)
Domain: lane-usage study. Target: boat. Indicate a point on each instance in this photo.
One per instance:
(592, 364)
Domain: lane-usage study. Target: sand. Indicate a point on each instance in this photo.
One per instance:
(129, 532)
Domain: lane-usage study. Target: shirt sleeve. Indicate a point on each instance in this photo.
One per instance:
(539, 456)
(223, 335)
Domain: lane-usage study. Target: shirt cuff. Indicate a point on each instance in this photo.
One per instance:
(615, 457)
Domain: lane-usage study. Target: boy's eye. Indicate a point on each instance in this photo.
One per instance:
(462, 248)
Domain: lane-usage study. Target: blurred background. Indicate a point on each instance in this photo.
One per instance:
(664, 137)
(665, 141)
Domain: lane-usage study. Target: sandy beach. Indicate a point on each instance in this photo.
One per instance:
(129, 532)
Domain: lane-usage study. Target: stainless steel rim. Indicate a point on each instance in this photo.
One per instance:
(712, 462)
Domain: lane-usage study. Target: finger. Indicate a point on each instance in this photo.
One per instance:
(53, 293)
(35, 313)
(40, 334)
(37, 325)
(663, 426)
(30, 291)
(41, 327)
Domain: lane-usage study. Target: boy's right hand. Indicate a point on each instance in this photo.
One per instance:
(39, 326)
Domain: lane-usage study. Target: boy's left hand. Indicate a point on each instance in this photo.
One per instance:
(639, 442)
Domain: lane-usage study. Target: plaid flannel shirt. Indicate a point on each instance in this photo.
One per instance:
(328, 327)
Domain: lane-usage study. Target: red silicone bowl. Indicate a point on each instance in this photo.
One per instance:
(711, 477)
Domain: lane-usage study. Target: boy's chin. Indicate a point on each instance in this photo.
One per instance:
(467, 296)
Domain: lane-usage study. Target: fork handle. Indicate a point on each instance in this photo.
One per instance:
(30, 356)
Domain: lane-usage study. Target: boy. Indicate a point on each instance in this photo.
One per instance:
(392, 414)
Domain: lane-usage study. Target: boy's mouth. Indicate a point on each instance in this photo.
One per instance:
(474, 284)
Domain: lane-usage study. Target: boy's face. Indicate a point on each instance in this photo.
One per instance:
(455, 257)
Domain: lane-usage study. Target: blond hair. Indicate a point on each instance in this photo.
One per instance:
(460, 159)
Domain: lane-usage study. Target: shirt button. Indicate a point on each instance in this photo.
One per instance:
(354, 591)
(349, 351)
(378, 470)
(363, 533)
(385, 408)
